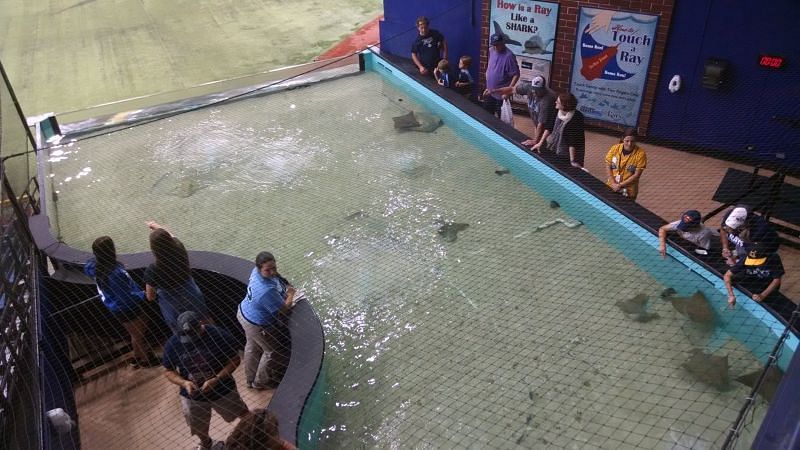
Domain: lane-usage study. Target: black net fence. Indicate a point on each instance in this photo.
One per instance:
(471, 293)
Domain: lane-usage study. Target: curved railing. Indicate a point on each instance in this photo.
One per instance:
(224, 279)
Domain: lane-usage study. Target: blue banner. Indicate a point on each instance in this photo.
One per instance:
(529, 27)
(609, 67)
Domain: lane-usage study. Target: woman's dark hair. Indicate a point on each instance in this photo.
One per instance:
(170, 255)
(263, 258)
(105, 254)
(568, 101)
(255, 431)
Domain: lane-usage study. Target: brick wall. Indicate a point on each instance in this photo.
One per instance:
(565, 46)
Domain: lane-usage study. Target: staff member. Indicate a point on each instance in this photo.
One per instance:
(262, 315)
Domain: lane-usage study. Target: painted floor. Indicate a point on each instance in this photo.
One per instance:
(68, 55)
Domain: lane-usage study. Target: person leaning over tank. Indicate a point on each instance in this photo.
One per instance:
(741, 227)
(568, 139)
(689, 227)
(262, 314)
(760, 272)
(541, 107)
(429, 47)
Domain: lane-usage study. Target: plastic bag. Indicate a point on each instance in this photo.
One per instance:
(506, 113)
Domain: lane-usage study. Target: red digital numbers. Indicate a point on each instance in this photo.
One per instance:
(770, 61)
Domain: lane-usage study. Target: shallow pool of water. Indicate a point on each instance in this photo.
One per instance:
(496, 335)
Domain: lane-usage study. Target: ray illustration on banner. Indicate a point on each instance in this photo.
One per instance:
(506, 38)
(600, 61)
(612, 56)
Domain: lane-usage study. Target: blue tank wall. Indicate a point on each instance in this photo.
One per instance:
(744, 114)
(459, 21)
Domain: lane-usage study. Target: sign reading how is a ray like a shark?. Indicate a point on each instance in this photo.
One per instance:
(529, 27)
(610, 63)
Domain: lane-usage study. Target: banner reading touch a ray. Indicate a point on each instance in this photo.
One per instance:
(610, 63)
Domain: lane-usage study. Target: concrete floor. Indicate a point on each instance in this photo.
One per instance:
(67, 55)
(675, 181)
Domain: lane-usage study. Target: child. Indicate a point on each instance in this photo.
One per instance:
(442, 73)
(122, 296)
(464, 79)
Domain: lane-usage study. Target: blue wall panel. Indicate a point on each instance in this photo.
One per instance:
(458, 20)
(744, 114)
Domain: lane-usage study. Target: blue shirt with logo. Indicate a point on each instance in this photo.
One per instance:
(265, 297)
(118, 292)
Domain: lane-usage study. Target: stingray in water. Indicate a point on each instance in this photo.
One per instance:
(770, 384)
(696, 308)
(178, 184)
(360, 214)
(710, 369)
(636, 309)
(449, 230)
(502, 172)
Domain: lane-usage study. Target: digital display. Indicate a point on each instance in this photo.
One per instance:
(771, 61)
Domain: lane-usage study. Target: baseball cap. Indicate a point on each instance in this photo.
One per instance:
(689, 219)
(736, 218)
(757, 255)
(495, 38)
(523, 88)
(537, 82)
(189, 326)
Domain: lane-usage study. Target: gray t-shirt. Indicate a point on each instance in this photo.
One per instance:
(543, 110)
(700, 237)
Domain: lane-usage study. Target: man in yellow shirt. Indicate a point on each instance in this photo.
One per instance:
(625, 163)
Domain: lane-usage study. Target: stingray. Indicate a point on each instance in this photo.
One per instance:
(554, 204)
(636, 309)
(449, 230)
(696, 308)
(427, 122)
(405, 121)
(360, 214)
(502, 172)
(506, 39)
(417, 171)
(710, 369)
(535, 45)
(770, 384)
(178, 184)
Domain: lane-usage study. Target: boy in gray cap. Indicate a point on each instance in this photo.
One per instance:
(541, 107)
(201, 360)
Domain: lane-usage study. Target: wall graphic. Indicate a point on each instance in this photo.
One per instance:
(609, 68)
(529, 28)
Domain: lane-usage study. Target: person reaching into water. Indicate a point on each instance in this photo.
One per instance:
(122, 296)
(690, 228)
(169, 279)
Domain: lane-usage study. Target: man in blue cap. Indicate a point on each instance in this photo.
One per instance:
(201, 360)
(502, 73)
(690, 228)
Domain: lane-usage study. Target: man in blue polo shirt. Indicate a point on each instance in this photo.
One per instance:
(262, 315)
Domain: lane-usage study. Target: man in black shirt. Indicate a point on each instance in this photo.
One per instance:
(428, 48)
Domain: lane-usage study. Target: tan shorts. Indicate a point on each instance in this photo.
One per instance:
(198, 413)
